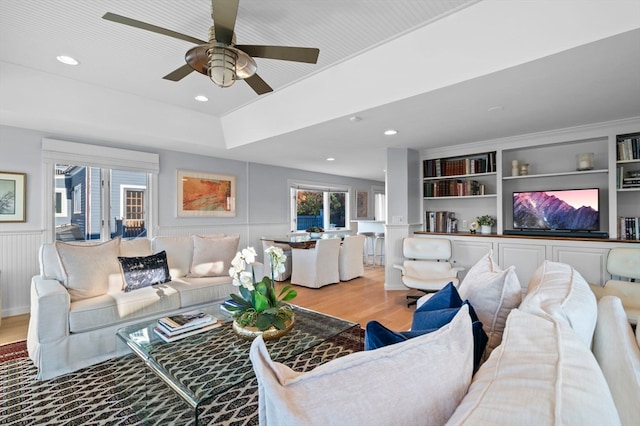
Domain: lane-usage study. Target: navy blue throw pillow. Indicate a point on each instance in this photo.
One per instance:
(377, 335)
(436, 312)
(144, 271)
(445, 298)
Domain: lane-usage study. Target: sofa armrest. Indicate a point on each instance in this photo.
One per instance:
(50, 304)
(401, 268)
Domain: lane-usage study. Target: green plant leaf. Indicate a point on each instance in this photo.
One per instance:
(260, 302)
(245, 293)
(289, 295)
(264, 322)
(240, 300)
(261, 288)
(279, 323)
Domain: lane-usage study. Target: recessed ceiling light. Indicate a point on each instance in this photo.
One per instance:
(390, 132)
(68, 60)
(331, 159)
(201, 98)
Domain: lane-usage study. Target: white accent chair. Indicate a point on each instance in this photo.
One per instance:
(426, 265)
(623, 264)
(318, 266)
(350, 261)
(286, 248)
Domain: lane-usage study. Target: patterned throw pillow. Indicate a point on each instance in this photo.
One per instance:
(144, 271)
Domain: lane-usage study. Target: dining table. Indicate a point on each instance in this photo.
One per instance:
(302, 241)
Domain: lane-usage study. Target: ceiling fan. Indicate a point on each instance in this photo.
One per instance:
(221, 58)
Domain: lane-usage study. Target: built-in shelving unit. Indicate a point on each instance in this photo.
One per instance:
(628, 185)
(553, 161)
(462, 176)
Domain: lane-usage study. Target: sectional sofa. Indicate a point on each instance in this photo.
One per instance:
(540, 367)
(86, 291)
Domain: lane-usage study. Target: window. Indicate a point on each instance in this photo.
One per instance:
(61, 202)
(133, 204)
(109, 190)
(311, 203)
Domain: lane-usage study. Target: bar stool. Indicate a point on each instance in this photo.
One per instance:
(369, 248)
(378, 248)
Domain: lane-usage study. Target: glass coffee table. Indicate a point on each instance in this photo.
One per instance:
(204, 365)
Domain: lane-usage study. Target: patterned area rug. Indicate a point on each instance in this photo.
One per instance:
(123, 391)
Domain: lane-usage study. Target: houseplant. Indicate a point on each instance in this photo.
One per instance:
(257, 310)
(314, 231)
(486, 222)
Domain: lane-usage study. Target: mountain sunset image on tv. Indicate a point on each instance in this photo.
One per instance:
(566, 210)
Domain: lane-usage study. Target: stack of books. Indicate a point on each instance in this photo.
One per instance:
(179, 326)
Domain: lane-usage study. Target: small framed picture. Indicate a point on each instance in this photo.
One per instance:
(13, 195)
(362, 204)
(206, 194)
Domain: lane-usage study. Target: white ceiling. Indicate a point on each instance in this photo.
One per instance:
(431, 69)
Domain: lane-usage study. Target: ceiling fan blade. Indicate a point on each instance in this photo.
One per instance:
(224, 14)
(179, 73)
(258, 85)
(153, 28)
(285, 53)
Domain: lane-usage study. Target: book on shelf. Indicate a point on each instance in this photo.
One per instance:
(440, 221)
(628, 147)
(628, 228)
(459, 166)
(453, 188)
(167, 337)
(186, 320)
(628, 179)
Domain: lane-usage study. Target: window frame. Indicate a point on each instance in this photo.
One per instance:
(63, 203)
(326, 188)
(106, 158)
(123, 198)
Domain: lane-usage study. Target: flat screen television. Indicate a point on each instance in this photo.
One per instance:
(562, 210)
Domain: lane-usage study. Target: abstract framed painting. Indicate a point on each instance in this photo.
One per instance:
(206, 194)
(13, 195)
(362, 204)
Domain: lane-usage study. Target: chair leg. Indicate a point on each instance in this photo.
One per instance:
(413, 299)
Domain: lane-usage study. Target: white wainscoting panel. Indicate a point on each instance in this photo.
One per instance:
(18, 263)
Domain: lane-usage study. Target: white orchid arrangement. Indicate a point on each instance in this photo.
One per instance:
(257, 305)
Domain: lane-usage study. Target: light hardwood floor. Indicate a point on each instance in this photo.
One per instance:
(360, 300)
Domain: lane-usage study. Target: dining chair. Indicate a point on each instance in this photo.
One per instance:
(350, 262)
(318, 266)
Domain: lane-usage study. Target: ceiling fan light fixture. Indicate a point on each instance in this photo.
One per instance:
(222, 66)
(245, 65)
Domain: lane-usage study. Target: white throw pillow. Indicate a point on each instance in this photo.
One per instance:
(558, 290)
(616, 349)
(541, 374)
(87, 268)
(493, 293)
(420, 381)
(137, 247)
(212, 256)
(179, 253)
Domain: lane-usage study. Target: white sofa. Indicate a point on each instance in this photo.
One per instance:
(78, 299)
(543, 371)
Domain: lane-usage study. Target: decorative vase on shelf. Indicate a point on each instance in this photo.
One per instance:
(485, 229)
(271, 333)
